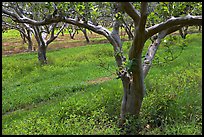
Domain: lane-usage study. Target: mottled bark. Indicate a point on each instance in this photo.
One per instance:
(137, 89)
(134, 88)
(154, 46)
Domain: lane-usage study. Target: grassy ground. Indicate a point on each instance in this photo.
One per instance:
(77, 93)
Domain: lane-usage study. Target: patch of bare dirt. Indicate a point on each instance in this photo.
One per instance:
(99, 80)
(60, 42)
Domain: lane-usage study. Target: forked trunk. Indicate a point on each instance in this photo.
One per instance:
(134, 91)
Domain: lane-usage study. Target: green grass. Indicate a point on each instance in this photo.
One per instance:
(58, 99)
(11, 36)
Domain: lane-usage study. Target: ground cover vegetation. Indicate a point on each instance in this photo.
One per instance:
(147, 25)
(89, 105)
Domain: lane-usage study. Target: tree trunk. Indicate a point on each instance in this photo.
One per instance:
(128, 31)
(72, 34)
(23, 38)
(130, 35)
(183, 32)
(134, 91)
(42, 54)
(29, 38)
(30, 45)
(85, 35)
(62, 33)
(199, 28)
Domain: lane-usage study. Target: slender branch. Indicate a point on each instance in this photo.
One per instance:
(53, 29)
(64, 25)
(52, 35)
(97, 29)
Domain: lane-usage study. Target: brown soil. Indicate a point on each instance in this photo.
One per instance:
(99, 80)
(60, 42)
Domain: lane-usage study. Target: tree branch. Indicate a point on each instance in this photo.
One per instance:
(31, 21)
(187, 20)
(131, 11)
(143, 19)
(52, 34)
(154, 46)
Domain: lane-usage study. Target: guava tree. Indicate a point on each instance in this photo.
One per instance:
(44, 34)
(131, 71)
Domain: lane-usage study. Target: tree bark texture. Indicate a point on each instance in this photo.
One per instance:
(42, 54)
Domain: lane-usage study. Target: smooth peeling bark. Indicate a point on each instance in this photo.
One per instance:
(137, 89)
(134, 91)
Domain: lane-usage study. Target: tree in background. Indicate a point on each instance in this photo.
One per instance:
(24, 30)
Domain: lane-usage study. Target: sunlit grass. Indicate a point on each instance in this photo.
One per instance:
(58, 99)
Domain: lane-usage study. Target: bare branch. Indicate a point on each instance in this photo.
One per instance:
(53, 29)
(187, 20)
(53, 37)
(61, 29)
